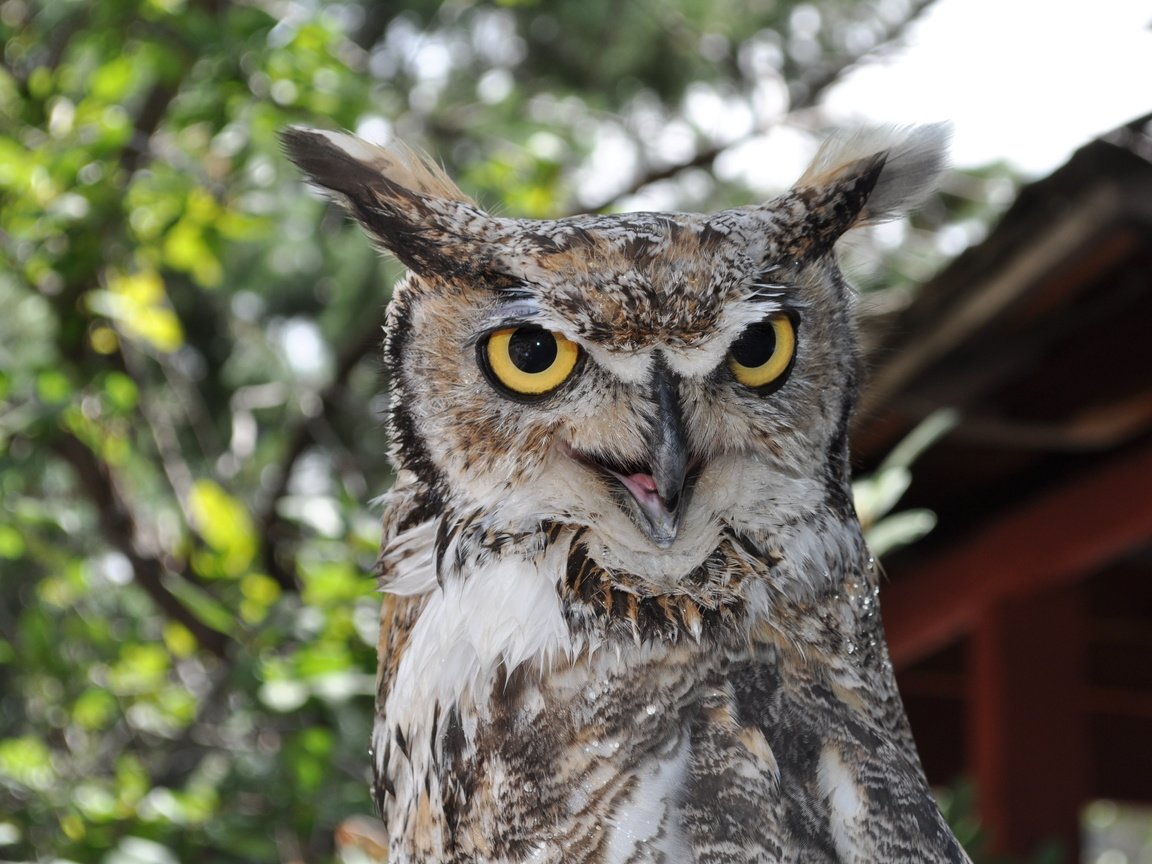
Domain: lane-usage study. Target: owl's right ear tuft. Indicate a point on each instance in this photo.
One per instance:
(907, 161)
(869, 176)
(397, 193)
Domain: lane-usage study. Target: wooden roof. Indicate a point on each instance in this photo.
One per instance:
(1041, 337)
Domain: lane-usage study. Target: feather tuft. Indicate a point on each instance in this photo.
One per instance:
(333, 160)
(912, 159)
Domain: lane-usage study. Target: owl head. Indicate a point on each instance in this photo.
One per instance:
(656, 378)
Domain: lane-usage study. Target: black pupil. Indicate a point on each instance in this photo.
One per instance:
(532, 350)
(755, 346)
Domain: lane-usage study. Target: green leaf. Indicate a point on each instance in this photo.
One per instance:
(200, 603)
(12, 544)
(877, 494)
(186, 248)
(179, 639)
(139, 304)
(121, 392)
(899, 529)
(94, 708)
(27, 761)
(53, 387)
(224, 524)
(142, 668)
(115, 79)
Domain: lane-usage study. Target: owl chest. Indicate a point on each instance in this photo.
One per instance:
(598, 759)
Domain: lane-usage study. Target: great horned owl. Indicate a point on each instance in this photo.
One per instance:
(629, 613)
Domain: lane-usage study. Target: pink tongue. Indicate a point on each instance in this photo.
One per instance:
(645, 482)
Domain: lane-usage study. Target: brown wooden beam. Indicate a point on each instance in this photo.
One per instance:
(939, 727)
(1121, 760)
(952, 687)
(1027, 735)
(1063, 236)
(1062, 536)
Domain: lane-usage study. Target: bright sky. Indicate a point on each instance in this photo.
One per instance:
(1027, 81)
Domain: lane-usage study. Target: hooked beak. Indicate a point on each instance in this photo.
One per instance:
(657, 491)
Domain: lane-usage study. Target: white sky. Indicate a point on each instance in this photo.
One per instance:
(1027, 81)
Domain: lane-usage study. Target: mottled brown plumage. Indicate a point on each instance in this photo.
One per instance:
(629, 614)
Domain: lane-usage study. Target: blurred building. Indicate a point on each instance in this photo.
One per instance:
(1021, 627)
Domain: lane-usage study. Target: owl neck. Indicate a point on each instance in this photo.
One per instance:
(477, 602)
(741, 575)
(743, 579)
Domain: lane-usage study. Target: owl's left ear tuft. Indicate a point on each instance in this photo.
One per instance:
(396, 192)
(346, 164)
(871, 175)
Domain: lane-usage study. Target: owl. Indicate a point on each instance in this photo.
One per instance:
(629, 613)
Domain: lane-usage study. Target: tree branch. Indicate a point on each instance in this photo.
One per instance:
(152, 112)
(808, 90)
(277, 561)
(377, 17)
(118, 525)
(804, 94)
(154, 108)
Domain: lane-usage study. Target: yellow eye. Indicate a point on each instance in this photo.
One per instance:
(763, 354)
(528, 362)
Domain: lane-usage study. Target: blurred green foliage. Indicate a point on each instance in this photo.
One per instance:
(190, 398)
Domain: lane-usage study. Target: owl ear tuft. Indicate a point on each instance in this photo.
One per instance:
(396, 192)
(869, 176)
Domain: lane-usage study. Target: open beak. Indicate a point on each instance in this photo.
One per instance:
(657, 491)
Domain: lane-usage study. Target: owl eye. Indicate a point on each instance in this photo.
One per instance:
(763, 354)
(528, 361)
